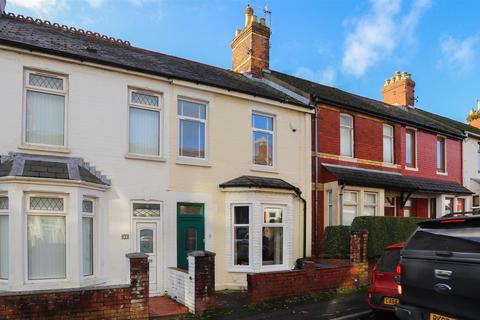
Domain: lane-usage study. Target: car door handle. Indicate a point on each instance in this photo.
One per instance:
(443, 274)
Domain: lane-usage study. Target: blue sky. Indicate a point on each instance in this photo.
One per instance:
(350, 44)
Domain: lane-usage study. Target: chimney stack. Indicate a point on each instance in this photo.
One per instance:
(399, 90)
(251, 46)
(474, 116)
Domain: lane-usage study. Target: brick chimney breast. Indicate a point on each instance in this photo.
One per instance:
(251, 46)
(399, 90)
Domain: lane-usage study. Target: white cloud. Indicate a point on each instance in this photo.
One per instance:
(39, 7)
(95, 3)
(326, 76)
(377, 34)
(458, 54)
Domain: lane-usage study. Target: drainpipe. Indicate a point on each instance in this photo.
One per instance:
(313, 100)
(340, 201)
(298, 192)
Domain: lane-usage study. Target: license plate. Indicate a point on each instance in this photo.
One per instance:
(390, 301)
(434, 316)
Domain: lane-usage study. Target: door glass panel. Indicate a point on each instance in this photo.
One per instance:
(146, 241)
(190, 209)
(190, 239)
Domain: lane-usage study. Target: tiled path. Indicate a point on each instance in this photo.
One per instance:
(163, 307)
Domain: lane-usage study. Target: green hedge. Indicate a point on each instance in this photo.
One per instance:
(336, 242)
(384, 231)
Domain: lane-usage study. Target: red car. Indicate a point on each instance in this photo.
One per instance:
(383, 292)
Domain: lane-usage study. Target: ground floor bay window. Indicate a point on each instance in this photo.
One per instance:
(259, 231)
(4, 237)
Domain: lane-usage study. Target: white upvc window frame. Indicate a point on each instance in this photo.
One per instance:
(350, 203)
(90, 215)
(473, 201)
(28, 87)
(235, 267)
(392, 141)
(282, 225)
(271, 132)
(64, 214)
(5, 213)
(445, 165)
(192, 119)
(414, 152)
(352, 135)
(330, 213)
(159, 109)
(368, 204)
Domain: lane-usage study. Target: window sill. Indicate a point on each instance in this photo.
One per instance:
(240, 270)
(442, 173)
(389, 165)
(136, 156)
(264, 169)
(411, 168)
(32, 147)
(193, 162)
(347, 158)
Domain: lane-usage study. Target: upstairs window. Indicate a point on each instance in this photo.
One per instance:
(411, 148)
(387, 143)
(4, 261)
(263, 133)
(45, 109)
(441, 154)
(346, 135)
(144, 123)
(192, 123)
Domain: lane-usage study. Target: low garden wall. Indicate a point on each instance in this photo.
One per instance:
(195, 287)
(120, 302)
(310, 278)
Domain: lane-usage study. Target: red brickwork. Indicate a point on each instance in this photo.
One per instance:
(275, 285)
(204, 282)
(119, 302)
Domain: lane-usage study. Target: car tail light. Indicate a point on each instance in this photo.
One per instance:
(398, 279)
(398, 270)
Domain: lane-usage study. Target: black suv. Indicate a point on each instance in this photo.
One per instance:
(439, 272)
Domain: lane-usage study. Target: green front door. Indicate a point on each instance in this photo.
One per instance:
(190, 231)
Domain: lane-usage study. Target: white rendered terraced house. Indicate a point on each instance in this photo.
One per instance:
(109, 149)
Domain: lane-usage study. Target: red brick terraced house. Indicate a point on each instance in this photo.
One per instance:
(369, 157)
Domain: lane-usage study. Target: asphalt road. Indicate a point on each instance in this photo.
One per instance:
(351, 307)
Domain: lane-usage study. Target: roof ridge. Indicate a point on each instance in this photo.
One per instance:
(65, 28)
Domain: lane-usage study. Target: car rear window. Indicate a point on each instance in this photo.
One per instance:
(389, 260)
(446, 239)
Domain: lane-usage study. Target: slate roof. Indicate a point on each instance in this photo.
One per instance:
(464, 127)
(36, 35)
(392, 180)
(258, 182)
(353, 102)
(370, 178)
(39, 166)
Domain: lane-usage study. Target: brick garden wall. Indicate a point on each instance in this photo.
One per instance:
(119, 302)
(275, 285)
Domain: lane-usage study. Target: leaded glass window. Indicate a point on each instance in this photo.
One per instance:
(146, 210)
(47, 82)
(46, 204)
(87, 206)
(3, 203)
(145, 99)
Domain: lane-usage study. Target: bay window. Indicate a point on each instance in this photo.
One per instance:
(192, 129)
(411, 149)
(350, 207)
(262, 135)
(330, 207)
(4, 261)
(387, 143)
(408, 208)
(88, 211)
(449, 205)
(441, 156)
(346, 135)
(45, 109)
(241, 235)
(46, 237)
(460, 205)
(370, 204)
(144, 123)
(272, 237)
